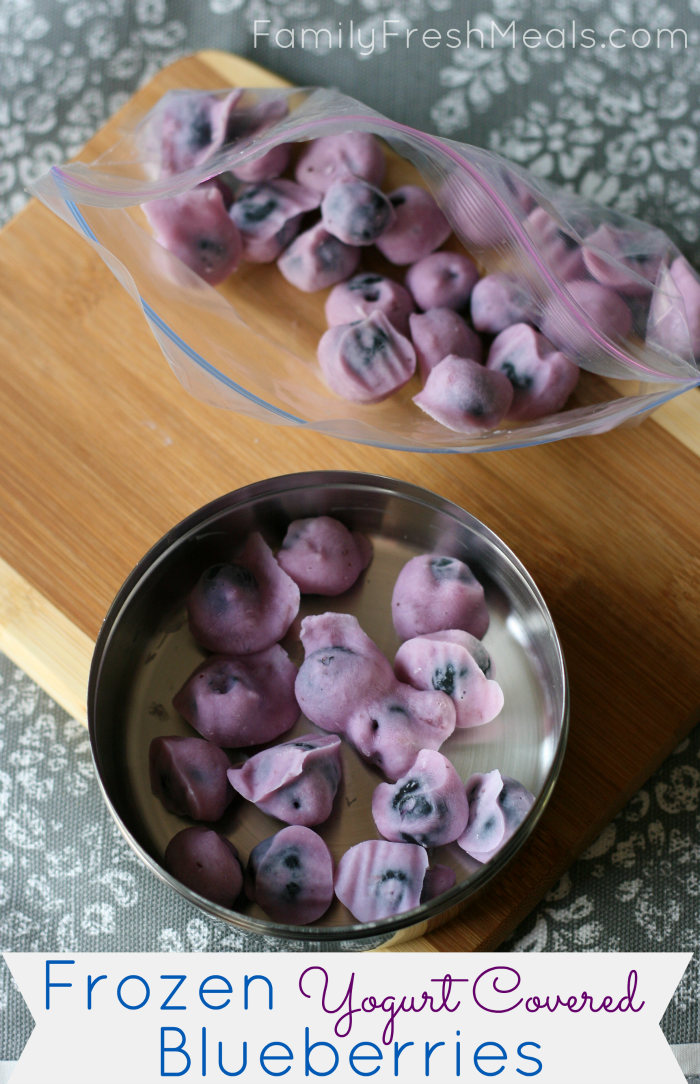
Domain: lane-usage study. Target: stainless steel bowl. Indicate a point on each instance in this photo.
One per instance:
(145, 652)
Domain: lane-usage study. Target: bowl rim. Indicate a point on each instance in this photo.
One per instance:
(456, 897)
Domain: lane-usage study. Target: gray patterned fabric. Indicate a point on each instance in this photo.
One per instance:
(619, 125)
(69, 882)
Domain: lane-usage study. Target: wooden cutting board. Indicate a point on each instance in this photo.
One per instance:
(102, 452)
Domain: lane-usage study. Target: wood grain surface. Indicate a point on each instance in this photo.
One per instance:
(102, 452)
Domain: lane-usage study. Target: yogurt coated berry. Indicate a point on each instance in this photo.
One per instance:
(633, 272)
(236, 702)
(316, 259)
(296, 781)
(464, 639)
(376, 879)
(188, 775)
(438, 333)
(603, 308)
(366, 361)
(330, 158)
(435, 592)
(464, 396)
(290, 875)
(269, 216)
(193, 126)
(419, 226)
(443, 280)
(497, 807)
(266, 167)
(207, 863)
(427, 806)
(543, 378)
(561, 252)
(448, 666)
(499, 301)
(366, 293)
(196, 228)
(347, 686)
(245, 606)
(356, 212)
(322, 556)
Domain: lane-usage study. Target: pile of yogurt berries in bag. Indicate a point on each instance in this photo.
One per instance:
(248, 694)
(484, 351)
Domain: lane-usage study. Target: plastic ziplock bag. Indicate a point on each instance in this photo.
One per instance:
(249, 345)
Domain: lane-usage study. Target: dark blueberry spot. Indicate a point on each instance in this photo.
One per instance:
(477, 409)
(519, 380)
(444, 568)
(211, 246)
(292, 889)
(444, 679)
(375, 724)
(304, 745)
(394, 875)
(397, 201)
(370, 295)
(197, 775)
(292, 861)
(222, 682)
(165, 781)
(328, 253)
(488, 826)
(406, 789)
(360, 282)
(199, 865)
(566, 240)
(408, 838)
(363, 346)
(200, 133)
(257, 212)
(397, 709)
(296, 804)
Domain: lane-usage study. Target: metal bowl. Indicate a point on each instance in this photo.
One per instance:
(145, 652)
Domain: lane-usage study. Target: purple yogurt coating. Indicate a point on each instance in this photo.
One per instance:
(330, 158)
(438, 333)
(322, 556)
(266, 167)
(433, 593)
(437, 880)
(207, 863)
(633, 273)
(497, 807)
(443, 280)
(193, 127)
(346, 686)
(366, 361)
(245, 606)
(188, 775)
(419, 226)
(427, 806)
(196, 228)
(296, 781)
(561, 252)
(497, 302)
(543, 378)
(290, 875)
(376, 879)
(269, 216)
(237, 702)
(603, 309)
(316, 259)
(367, 293)
(464, 396)
(356, 212)
(428, 662)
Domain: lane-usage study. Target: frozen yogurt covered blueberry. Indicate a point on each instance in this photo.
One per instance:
(438, 333)
(376, 879)
(290, 875)
(188, 775)
(346, 685)
(442, 661)
(633, 273)
(366, 361)
(542, 377)
(245, 606)
(443, 280)
(207, 863)
(433, 593)
(266, 166)
(236, 702)
(269, 216)
(427, 806)
(497, 807)
(464, 396)
(196, 228)
(296, 781)
(356, 212)
(561, 252)
(497, 302)
(316, 259)
(330, 158)
(604, 308)
(419, 226)
(322, 556)
(193, 127)
(367, 293)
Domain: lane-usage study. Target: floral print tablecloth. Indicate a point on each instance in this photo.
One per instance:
(619, 125)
